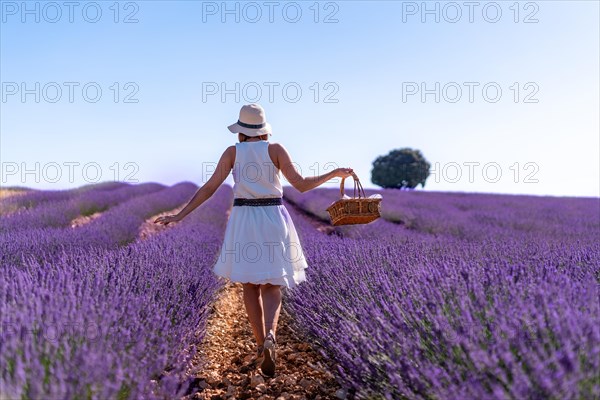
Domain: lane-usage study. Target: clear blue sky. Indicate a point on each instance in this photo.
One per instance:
(373, 56)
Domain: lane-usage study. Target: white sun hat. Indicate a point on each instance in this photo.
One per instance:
(252, 121)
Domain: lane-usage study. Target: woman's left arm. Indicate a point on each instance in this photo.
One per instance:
(223, 169)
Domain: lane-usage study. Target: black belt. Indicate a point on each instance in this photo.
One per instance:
(271, 201)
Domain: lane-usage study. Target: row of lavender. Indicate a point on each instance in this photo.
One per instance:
(463, 215)
(117, 226)
(61, 212)
(86, 318)
(31, 198)
(451, 314)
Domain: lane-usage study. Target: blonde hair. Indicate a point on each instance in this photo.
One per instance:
(243, 137)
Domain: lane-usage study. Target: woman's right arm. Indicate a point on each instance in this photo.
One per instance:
(299, 182)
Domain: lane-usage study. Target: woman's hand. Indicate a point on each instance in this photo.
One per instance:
(167, 219)
(344, 172)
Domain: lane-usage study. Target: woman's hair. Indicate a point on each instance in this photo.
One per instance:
(243, 137)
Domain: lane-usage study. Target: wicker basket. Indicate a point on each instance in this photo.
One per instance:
(356, 210)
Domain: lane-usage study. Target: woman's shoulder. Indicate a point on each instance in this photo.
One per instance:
(230, 152)
(275, 148)
(275, 145)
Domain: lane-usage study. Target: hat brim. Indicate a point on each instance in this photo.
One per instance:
(235, 128)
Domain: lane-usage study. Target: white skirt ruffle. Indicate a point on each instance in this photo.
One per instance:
(261, 246)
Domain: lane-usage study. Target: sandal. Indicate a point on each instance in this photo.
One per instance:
(259, 350)
(268, 363)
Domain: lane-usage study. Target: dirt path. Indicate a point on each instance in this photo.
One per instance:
(229, 349)
(5, 193)
(149, 228)
(83, 220)
(6, 210)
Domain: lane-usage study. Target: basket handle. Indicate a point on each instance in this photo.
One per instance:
(357, 184)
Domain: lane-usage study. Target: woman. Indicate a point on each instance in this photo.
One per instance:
(261, 248)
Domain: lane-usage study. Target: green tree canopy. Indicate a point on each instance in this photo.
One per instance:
(400, 168)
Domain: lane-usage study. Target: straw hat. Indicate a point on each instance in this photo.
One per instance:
(252, 121)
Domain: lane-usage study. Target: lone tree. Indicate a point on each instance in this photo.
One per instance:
(401, 168)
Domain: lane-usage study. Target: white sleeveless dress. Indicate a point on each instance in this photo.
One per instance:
(261, 244)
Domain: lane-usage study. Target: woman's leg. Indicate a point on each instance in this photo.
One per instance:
(271, 299)
(254, 310)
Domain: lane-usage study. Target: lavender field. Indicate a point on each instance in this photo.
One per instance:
(447, 296)
(457, 296)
